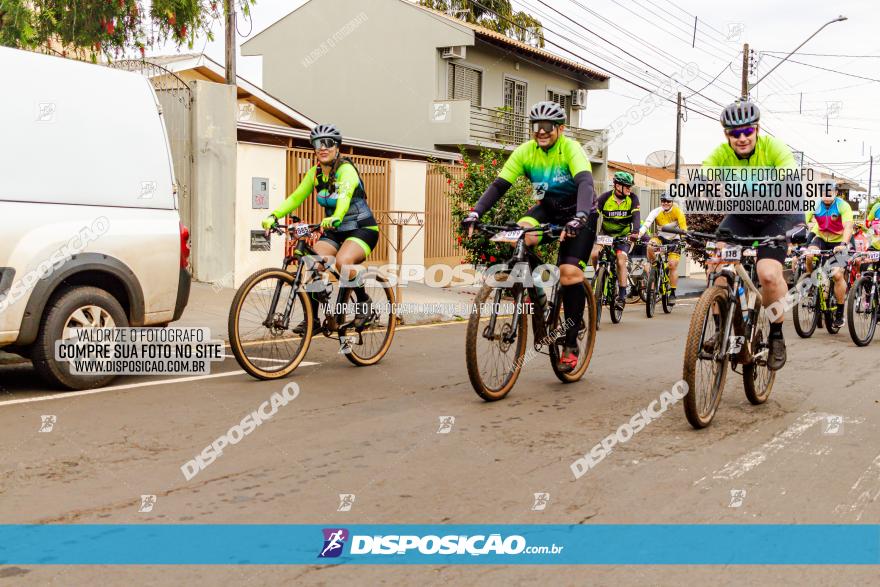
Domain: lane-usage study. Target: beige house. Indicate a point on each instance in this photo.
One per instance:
(403, 74)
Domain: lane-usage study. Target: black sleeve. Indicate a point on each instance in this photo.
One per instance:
(600, 203)
(585, 191)
(637, 214)
(492, 194)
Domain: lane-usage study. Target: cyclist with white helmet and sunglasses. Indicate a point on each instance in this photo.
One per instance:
(562, 182)
(349, 231)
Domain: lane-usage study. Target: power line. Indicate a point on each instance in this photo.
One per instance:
(713, 79)
(831, 70)
(828, 55)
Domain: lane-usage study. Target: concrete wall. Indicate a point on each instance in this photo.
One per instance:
(256, 161)
(368, 66)
(214, 174)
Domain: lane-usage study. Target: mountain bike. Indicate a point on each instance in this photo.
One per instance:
(605, 280)
(816, 301)
(497, 332)
(737, 337)
(658, 278)
(271, 303)
(863, 301)
(637, 269)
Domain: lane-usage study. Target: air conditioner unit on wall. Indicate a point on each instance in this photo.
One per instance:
(579, 99)
(453, 52)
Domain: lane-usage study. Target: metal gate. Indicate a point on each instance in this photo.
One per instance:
(440, 245)
(175, 97)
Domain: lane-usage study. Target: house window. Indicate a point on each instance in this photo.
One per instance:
(465, 83)
(563, 100)
(514, 121)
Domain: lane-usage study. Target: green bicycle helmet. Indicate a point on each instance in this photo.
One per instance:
(624, 178)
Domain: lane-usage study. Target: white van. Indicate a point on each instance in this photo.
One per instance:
(90, 233)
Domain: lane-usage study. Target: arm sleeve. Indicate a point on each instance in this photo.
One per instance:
(298, 196)
(347, 181)
(585, 191)
(492, 194)
(637, 214)
(646, 223)
(682, 221)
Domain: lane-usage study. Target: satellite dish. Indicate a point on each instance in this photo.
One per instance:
(663, 158)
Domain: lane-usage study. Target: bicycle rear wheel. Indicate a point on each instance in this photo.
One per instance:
(862, 311)
(586, 339)
(494, 359)
(757, 378)
(705, 369)
(805, 313)
(261, 339)
(371, 343)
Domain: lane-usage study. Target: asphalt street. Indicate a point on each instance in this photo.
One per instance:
(375, 433)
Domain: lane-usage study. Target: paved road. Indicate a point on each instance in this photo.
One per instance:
(372, 432)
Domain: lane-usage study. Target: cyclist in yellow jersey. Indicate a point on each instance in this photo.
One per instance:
(667, 213)
(744, 147)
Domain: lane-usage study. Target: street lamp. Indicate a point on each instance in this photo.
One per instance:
(838, 19)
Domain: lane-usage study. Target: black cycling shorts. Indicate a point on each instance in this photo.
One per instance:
(572, 251)
(824, 245)
(365, 237)
(761, 226)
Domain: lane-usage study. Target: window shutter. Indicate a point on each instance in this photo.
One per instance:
(464, 83)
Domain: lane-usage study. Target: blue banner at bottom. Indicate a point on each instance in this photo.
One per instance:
(272, 544)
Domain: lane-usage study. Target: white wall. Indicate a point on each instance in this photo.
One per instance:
(256, 161)
(408, 193)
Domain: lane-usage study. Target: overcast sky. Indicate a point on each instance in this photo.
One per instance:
(770, 25)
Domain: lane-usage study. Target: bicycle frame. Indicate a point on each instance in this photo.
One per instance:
(737, 276)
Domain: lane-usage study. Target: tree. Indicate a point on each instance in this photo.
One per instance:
(111, 27)
(495, 15)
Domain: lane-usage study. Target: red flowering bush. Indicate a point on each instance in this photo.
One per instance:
(463, 197)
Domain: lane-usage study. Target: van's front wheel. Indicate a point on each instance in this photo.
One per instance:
(77, 307)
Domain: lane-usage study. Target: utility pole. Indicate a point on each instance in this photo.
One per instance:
(870, 176)
(694, 42)
(745, 71)
(229, 7)
(801, 106)
(678, 136)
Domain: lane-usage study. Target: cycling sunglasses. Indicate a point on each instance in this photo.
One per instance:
(741, 132)
(323, 144)
(544, 125)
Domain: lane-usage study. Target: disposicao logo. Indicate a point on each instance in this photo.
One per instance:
(334, 541)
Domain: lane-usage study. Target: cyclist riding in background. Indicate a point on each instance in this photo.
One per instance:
(667, 212)
(745, 147)
(617, 211)
(349, 232)
(872, 225)
(832, 223)
(562, 182)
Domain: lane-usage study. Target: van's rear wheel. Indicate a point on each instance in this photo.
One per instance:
(77, 307)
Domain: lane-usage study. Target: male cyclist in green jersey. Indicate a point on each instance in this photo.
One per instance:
(562, 183)
(618, 210)
(349, 232)
(744, 147)
(832, 228)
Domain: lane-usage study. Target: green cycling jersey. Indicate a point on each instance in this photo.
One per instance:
(769, 152)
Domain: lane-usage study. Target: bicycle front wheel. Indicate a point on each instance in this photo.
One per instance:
(599, 293)
(261, 337)
(367, 345)
(653, 286)
(805, 313)
(664, 296)
(757, 378)
(496, 341)
(586, 338)
(862, 311)
(705, 367)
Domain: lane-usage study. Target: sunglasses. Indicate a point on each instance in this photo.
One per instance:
(323, 144)
(544, 125)
(741, 132)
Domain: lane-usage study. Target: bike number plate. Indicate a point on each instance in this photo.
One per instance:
(873, 256)
(507, 236)
(302, 229)
(731, 253)
(604, 239)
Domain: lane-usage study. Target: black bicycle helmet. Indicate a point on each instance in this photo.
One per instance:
(326, 131)
(740, 113)
(550, 111)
